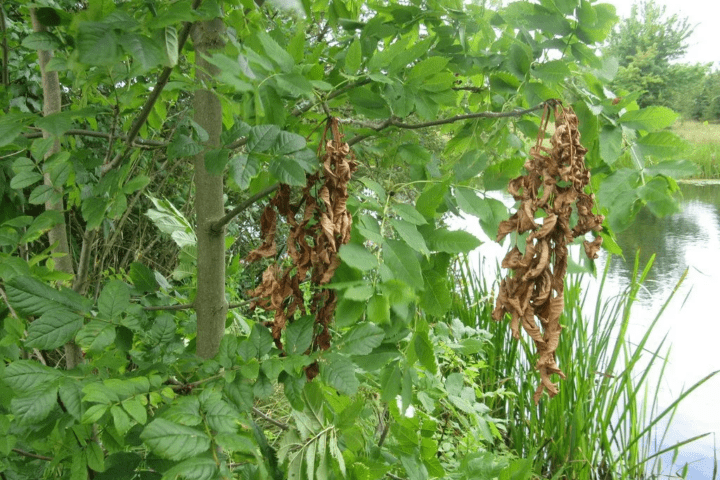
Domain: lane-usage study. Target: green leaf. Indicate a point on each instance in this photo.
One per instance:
(427, 68)
(649, 118)
(409, 214)
(93, 211)
(97, 44)
(435, 299)
(173, 441)
(243, 168)
(662, 144)
(220, 416)
(262, 138)
(198, 468)
(185, 411)
(171, 46)
(298, 335)
(403, 263)
(294, 84)
(610, 143)
(457, 241)
(53, 329)
(24, 179)
(287, 143)
(378, 309)
(409, 233)
(136, 409)
(424, 351)
(34, 297)
(288, 171)
(137, 183)
(261, 339)
(358, 257)
(145, 52)
(340, 373)
(11, 125)
(369, 103)
(362, 339)
(275, 52)
(470, 165)
(673, 169)
(94, 413)
(41, 224)
(96, 335)
(71, 398)
(215, 160)
(24, 376)
(114, 300)
(163, 329)
(353, 57)
(120, 419)
(142, 278)
(35, 407)
(183, 146)
(430, 199)
(41, 41)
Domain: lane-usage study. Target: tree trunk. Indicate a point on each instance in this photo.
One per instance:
(210, 304)
(58, 234)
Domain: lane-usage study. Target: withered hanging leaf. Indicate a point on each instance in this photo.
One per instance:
(534, 287)
(312, 244)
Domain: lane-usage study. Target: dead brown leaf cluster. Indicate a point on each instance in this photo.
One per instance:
(555, 181)
(319, 224)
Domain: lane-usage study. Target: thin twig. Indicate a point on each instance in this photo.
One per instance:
(181, 306)
(32, 455)
(265, 417)
(13, 313)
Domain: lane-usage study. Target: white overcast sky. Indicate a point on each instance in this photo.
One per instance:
(704, 44)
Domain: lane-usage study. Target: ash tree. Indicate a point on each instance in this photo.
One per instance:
(150, 149)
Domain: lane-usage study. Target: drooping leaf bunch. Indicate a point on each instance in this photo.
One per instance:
(555, 181)
(312, 244)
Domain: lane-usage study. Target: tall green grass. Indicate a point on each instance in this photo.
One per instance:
(605, 423)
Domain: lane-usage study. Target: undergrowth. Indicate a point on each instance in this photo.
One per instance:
(605, 422)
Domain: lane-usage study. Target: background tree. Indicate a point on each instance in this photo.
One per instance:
(645, 44)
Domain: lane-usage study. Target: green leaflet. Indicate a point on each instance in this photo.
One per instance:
(53, 329)
(33, 297)
(173, 441)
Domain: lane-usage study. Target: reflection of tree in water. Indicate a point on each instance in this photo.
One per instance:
(669, 238)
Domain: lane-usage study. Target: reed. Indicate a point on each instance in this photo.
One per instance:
(605, 423)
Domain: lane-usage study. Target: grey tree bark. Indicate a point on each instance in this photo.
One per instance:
(210, 304)
(58, 234)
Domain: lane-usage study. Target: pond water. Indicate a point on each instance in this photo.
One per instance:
(687, 240)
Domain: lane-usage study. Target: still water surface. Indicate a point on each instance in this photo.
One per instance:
(687, 240)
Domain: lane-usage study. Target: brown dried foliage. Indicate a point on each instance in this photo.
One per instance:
(534, 287)
(312, 244)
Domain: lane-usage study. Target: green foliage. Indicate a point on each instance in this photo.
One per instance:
(644, 44)
(425, 94)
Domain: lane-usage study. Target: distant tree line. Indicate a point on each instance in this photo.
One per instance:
(646, 44)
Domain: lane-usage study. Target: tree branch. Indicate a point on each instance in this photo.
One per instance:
(32, 455)
(218, 225)
(267, 418)
(335, 93)
(150, 102)
(181, 306)
(92, 133)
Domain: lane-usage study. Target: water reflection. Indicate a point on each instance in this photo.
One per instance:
(687, 240)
